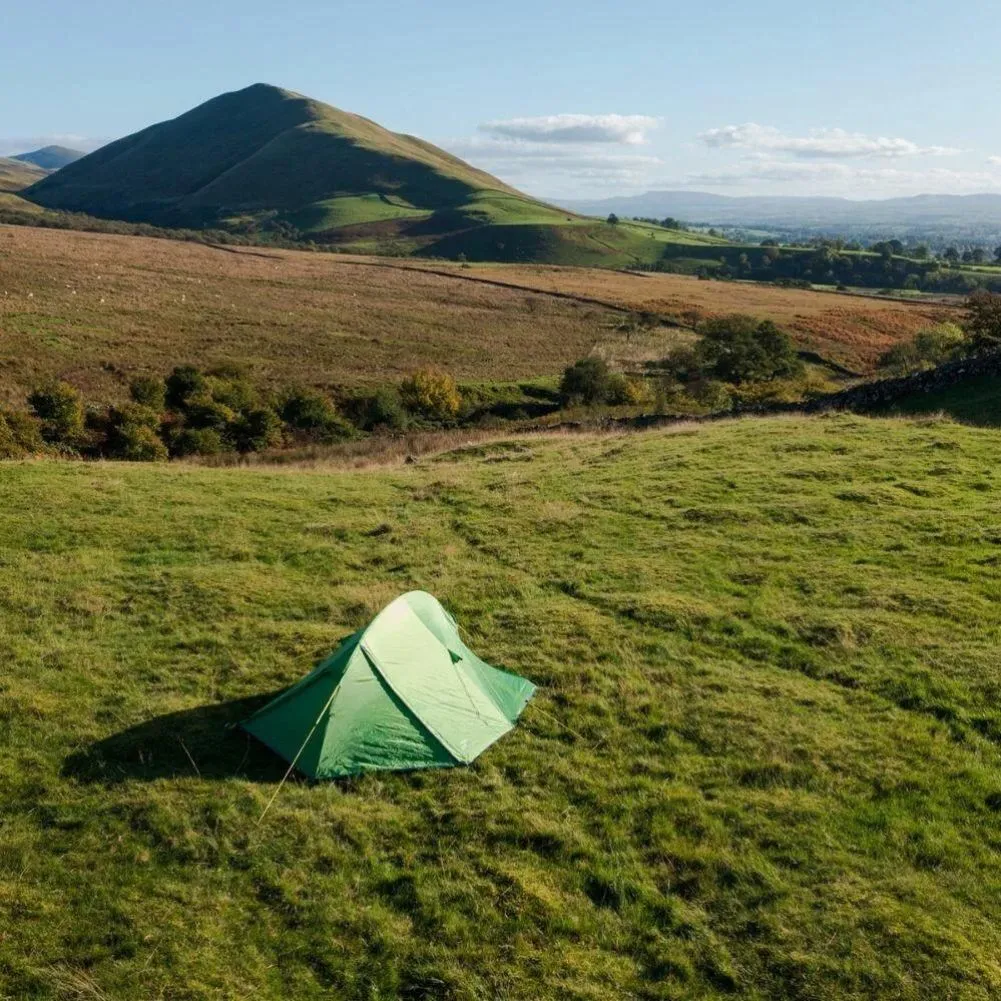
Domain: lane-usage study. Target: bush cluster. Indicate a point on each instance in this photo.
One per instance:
(192, 412)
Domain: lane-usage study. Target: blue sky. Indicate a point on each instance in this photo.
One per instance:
(564, 99)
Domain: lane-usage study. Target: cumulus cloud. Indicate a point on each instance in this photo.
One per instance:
(627, 130)
(13, 145)
(818, 144)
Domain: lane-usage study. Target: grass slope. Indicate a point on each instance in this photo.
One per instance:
(16, 176)
(98, 309)
(974, 401)
(263, 150)
(763, 761)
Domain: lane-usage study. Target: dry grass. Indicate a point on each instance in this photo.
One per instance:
(97, 309)
(852, 330)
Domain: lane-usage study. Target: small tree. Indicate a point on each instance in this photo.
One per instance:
(257, 430)
(431, 394)
(585, 381)
(20, 435)
(983, 320)
(613, 219)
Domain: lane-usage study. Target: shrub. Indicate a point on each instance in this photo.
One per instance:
(60, 409)
(257, 430)
(711, 394)
(192, 441)
(431, 394)
(20, 435)
(383, 409)
(585, 381)
(312, 415)
(149, 391)
(10, 447)
(926, 349)
(203, 412)
(624, 391)
(139, 443)
(131, 434)
(741, 348)
(183, 383)
(236, 393)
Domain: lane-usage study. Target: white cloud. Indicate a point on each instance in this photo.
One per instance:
(848, 180)
(818, 144)
(628, 130)
(994, 161)
(11, 146)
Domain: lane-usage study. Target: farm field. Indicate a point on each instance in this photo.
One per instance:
(848, 329)
(763, 760)
(97, 309)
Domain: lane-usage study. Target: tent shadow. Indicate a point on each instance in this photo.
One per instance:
(203, 742)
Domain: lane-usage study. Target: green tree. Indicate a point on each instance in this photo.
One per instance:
(585, 381)
(741, 348)
(983, 320)
(613, 219)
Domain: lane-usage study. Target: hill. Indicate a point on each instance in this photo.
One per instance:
(938, 218)
(16, 175)
(51, 157)
(763, 760)
(267, 161)
(99, 309)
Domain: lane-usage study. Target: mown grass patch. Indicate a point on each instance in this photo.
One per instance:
(763, 761)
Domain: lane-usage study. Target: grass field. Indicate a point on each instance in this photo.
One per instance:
(763, 761)
(98, 309)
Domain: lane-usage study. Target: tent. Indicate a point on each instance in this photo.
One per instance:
(405, 692)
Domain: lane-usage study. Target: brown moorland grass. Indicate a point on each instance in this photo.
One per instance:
(97, 309)
(849, 329)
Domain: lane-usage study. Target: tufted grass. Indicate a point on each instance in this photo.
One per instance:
(763, 761)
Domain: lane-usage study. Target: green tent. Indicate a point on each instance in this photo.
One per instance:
(405, 692)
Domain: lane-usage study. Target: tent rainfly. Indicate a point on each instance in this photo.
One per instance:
(403, 693)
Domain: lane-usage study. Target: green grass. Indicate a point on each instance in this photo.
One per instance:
(763, 761)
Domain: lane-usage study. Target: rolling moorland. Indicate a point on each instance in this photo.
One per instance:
(763, 761)
(98, 310)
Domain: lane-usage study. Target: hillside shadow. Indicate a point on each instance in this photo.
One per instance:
(203, 742)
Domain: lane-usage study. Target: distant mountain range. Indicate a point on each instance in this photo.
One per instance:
(969, 217)
(266, 162)
(50, 157)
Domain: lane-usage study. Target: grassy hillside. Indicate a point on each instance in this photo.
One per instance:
(262, 151)
(99, 309)
(16, 175)
(763, 761)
